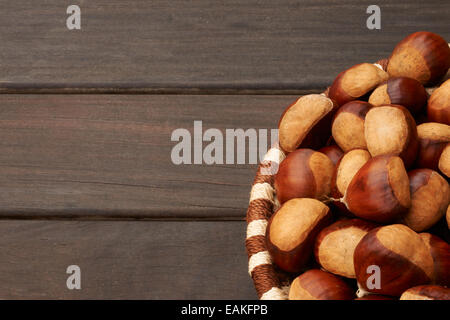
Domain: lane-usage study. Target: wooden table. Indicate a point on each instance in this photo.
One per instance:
(86, 118)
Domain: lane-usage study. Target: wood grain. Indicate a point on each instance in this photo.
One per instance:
(109, 156)
(124, 260)
(178, 46)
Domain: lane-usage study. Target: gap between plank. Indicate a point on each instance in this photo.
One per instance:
(119, 219)
(125, 215)
(154, 90)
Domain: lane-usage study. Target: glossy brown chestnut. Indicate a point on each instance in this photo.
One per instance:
(335, 245)
(433, 138)
(346, 169)
(423, 56)
(379, 191)
(304, 173)
(444, 161)
(447, 217)
(291, 232)
(438, 109)
(403, 259)
(306, 123)
(440, 251)
(333, 152)
(390, 129)
(404, 91)
(348, 125)
(426, 292)
(430, 196)
(319, 285)
(344, 172)
(355, 82)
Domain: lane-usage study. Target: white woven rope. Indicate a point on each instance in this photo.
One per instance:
(275, 155)
(256, 228)
(260, 258)
(261, 191)
(275, 294)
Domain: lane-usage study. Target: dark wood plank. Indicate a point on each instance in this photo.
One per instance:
(201, 46)
(124, 260)
(109, 156)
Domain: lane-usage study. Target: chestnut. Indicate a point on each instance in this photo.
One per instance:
(306, 123)
(426, 292)
(404, 91)
(348, 125)
(447, 217)
(444, 161)
(433, 138)
(379, 191)
(440, 251)
(304, 173)
(424, 56)
(292, 229)
(333, 152)
(319, 285)
(355, 82)
(402, 258)
(430, 196)
(335, 245)
(346, 169)
(438, 109)
(391, 129)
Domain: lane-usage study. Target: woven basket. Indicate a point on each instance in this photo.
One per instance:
(270, 282)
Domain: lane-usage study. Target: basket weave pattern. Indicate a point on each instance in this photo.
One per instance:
(270, 283)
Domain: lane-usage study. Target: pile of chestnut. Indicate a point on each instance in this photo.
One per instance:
(363, 190)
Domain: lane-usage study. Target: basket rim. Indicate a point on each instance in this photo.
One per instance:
(262, 205)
